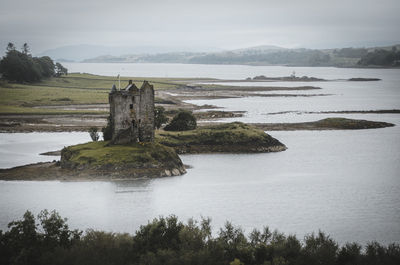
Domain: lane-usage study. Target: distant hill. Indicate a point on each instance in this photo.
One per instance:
(388, 56)
(260, 49)
(171, 57)
(82, 52)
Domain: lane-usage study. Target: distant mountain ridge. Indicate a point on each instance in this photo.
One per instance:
(260, 49)
(82, 52)
(387, 56)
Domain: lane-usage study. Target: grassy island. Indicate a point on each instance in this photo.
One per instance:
(133, 160)
(233, 137)
(100, 161)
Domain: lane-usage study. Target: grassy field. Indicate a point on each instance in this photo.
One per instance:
(66, 90)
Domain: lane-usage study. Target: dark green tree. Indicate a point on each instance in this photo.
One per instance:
(350, 254)
(320, 249)
(19, 67)
(56, 232)
(169, 241)
(380, 57)
(61, 70)
(25, 49)
(159, 117)
(29, 243)
(94, 134)
(22, 67)
(45, 65)
(10, 46)
(21, 241)
(184, 120)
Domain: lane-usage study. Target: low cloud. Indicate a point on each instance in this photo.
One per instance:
(225, 24)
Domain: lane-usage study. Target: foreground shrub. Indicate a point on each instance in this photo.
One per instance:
(169, 241)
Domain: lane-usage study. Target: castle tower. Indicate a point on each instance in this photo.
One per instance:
(132, 113)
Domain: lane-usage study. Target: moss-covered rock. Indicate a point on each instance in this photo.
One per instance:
(234, 137)
(133, 160)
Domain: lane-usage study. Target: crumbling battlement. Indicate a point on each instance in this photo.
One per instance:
(132, 113)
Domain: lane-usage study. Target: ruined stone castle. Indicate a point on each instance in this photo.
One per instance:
(132, 113)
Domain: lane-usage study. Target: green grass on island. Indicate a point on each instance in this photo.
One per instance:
(233, 137)
(150, 159)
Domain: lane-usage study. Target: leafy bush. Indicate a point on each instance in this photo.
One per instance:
(24, 244)
(94, 134)
(182, 121)
(107, 131)
(45, 65)
(159, 117)
(60, 70)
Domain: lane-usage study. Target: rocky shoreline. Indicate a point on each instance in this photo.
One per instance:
(53, 171)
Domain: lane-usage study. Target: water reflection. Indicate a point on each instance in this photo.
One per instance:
(130, 186)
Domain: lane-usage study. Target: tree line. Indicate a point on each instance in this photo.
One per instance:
(380, 57)
(305, 57)
(169, 241)
(286, 57)
(296, 57)
(21, 66)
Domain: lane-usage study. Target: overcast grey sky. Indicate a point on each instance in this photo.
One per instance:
(224, 24)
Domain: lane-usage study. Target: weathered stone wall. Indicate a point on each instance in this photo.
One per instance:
(146, 115)
(132, 113)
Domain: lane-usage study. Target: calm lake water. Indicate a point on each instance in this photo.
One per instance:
(346, 183)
